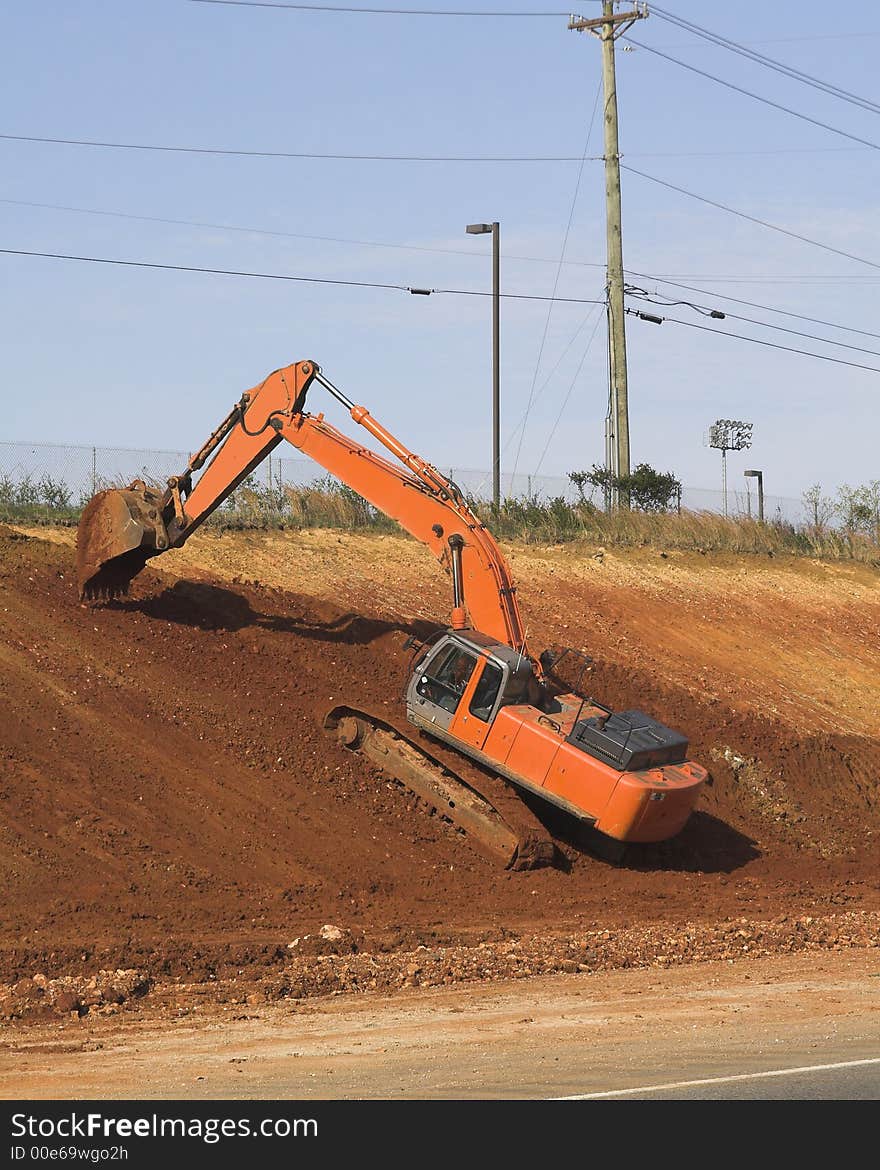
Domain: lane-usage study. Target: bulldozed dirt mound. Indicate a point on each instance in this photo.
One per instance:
(171, 808)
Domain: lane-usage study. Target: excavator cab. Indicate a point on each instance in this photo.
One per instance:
(467, 677)
(442, 682)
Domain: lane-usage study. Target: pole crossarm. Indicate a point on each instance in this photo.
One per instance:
(605, 25)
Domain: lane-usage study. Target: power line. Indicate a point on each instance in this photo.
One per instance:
(788, 40)
(462, 292)
(804, 279)
(770, 344)
(468, 253)
(641, 294)
(439, 251)
(768, 62)
(423, 158)
(555, 426)
(754, 304)
(756, 96)
(367, 11)
(522, 418)
(399, 288)
(228, 227)
(773, 151)
(574, 200)
(752, 218)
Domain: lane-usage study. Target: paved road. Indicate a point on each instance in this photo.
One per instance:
(851, 1080)
(625, 1032)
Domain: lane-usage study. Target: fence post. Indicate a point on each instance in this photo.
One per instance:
(94, 470)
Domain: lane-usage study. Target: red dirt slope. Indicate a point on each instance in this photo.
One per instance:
(170, 803)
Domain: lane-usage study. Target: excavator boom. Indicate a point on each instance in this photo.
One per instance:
(120, 530)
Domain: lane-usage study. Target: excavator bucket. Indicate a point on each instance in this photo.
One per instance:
(120, 529)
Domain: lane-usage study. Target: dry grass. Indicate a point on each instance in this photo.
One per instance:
(559, 522)
(326, 503)
(329, 504)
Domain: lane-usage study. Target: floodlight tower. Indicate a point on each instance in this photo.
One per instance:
(728, 434)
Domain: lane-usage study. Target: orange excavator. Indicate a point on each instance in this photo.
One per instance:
(488, 735)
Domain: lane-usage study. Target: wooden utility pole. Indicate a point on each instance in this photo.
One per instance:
(608, 27)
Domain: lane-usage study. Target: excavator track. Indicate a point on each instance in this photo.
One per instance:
(485, 807)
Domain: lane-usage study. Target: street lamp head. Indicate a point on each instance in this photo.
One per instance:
(753, 473)
(478, 229)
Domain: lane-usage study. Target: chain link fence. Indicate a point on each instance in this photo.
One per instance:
(53, 481)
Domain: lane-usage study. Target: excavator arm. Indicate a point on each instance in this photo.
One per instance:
(121, 529)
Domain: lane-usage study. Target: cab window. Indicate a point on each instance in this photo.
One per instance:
(486, 691)
(446, 677)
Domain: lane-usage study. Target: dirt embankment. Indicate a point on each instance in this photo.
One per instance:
(172, 814)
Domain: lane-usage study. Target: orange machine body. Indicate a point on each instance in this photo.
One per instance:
(534, 749)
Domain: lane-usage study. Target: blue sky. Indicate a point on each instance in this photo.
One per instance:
(133, 357)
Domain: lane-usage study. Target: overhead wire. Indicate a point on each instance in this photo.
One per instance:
(768, 62)
(803, 278)
(753, 304)
(666, 279)
(370, 11)
(571, 211)
(228, 227)
(462, 292)
(773, 151)
(400, 288)
(417, 158)
(752, 218)
(770, 344)
(444, 291)
(235, 153)
(790, 40)
(571, 387)
(641, 294)
(522, 418)
(751, 94)
(469, 253)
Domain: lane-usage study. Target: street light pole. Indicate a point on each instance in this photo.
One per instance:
(479, 229)
(759, 476)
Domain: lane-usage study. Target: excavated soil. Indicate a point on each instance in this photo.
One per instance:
(175, 823)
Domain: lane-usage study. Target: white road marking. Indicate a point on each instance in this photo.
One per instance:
(778, 1072)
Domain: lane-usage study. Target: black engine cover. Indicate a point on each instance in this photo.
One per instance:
(630, 740)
